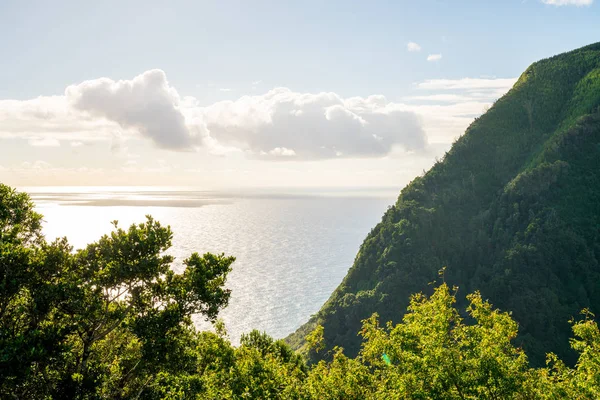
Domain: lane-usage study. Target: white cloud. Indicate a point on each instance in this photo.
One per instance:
(44, 142)
(412, 46)
(147, 103)
(445, 122)
(434, 57)
(312, 125)
(279, 124)
(467, 83)
(448, 106)
(51, 117)
(577, 3)
(301, 125)
(443, 98)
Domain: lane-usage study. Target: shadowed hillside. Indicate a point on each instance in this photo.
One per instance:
(511, 210)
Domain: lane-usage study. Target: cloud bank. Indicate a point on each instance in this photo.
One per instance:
(280, 124)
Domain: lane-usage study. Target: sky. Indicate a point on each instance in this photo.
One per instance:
(250, 94)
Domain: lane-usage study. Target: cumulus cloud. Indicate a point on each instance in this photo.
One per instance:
(147, 103)
(311, 125)
(278, 125)
(434, 57)
(412, 46)
(577, 3)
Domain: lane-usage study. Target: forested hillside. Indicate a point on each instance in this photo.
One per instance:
(512, 210)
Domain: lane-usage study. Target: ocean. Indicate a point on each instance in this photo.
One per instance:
(292, 247)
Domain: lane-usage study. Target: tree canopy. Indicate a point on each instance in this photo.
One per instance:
(103, 321)
(113, 321)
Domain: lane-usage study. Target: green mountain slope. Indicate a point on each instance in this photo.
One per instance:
(512, 210)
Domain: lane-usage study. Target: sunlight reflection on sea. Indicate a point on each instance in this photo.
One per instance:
(292, 250)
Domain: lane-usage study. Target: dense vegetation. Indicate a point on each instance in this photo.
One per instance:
(512, 210)
(112, 321)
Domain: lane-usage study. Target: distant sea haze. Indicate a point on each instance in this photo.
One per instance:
(292, 247)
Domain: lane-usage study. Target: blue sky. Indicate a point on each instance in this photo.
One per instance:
(222, 50)
(351, 47)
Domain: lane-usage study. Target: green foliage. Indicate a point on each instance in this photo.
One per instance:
(100, 322)
(113, 321)
(342, 378)
(434, 354)
(315, 338)
(513, 210)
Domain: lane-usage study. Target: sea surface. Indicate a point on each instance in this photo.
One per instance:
(292, 247)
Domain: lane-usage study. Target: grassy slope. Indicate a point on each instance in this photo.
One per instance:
(511, 210)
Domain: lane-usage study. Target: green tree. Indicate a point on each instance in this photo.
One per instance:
(104, 321)
(113, 321)
(433, 353)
